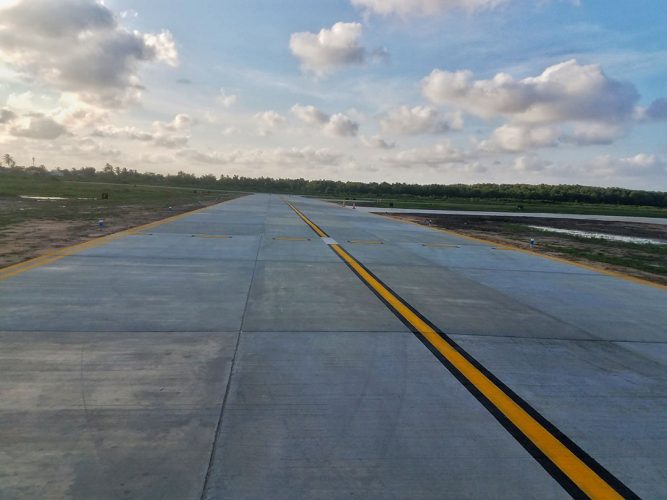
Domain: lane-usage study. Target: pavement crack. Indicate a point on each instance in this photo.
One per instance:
(218, 428)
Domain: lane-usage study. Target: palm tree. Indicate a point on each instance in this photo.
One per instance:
(9, 161)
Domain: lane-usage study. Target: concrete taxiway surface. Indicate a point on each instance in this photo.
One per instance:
(232, 354)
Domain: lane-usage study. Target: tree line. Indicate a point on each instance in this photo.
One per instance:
(359, 190)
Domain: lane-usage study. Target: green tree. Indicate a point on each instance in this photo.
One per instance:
(8, 160)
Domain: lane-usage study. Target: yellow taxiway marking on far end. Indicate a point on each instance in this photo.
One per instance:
(366, 242)
(439, 245)
(290, 238)
(212, 236)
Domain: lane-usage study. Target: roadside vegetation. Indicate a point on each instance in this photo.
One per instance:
(489, 197)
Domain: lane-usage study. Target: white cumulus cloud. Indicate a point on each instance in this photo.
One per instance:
(181, 121)
(228, 131)
(38, 127)
(43, 117)
(268, 121)
(331, 49)
(567, 103)
(227, 100)
(416, 120)
(78, 46)
(310, 115)
(405, 8)
(377, 142)
(641, 160)
(515, 138)
(164, 46)
(440, 155)
(173, 134)
(338, 124)
(567, 91)
(586, 133)
(306, 156)
(341, 125)
(530, 163)
(639, 165)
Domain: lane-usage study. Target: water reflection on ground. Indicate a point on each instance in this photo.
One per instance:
(604, 236)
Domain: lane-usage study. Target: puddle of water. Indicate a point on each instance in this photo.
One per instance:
(50, 198)
(41, 198)
(604, 236)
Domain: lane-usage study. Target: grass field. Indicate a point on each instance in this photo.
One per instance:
(491, 205)
(83, 201)
(643, 257)
(30, 227)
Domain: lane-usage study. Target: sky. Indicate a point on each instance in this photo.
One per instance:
(423, 91)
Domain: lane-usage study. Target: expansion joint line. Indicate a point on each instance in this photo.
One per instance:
(576, 471)
(232, 370)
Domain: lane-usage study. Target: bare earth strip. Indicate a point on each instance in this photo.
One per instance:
(35, 237)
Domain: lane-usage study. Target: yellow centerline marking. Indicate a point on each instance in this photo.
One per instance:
(61, 253)
(585, 478)
(592, 484)
(317, 230)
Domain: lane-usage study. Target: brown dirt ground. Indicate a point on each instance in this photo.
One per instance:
(33, 238)
(491, 229)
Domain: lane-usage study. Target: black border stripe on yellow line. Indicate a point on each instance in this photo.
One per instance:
(576, 471)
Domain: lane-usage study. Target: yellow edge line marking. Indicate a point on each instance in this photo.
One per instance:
(365, 242)
(439, 245)
(507, 246)
(61, 253)
(578, 472)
